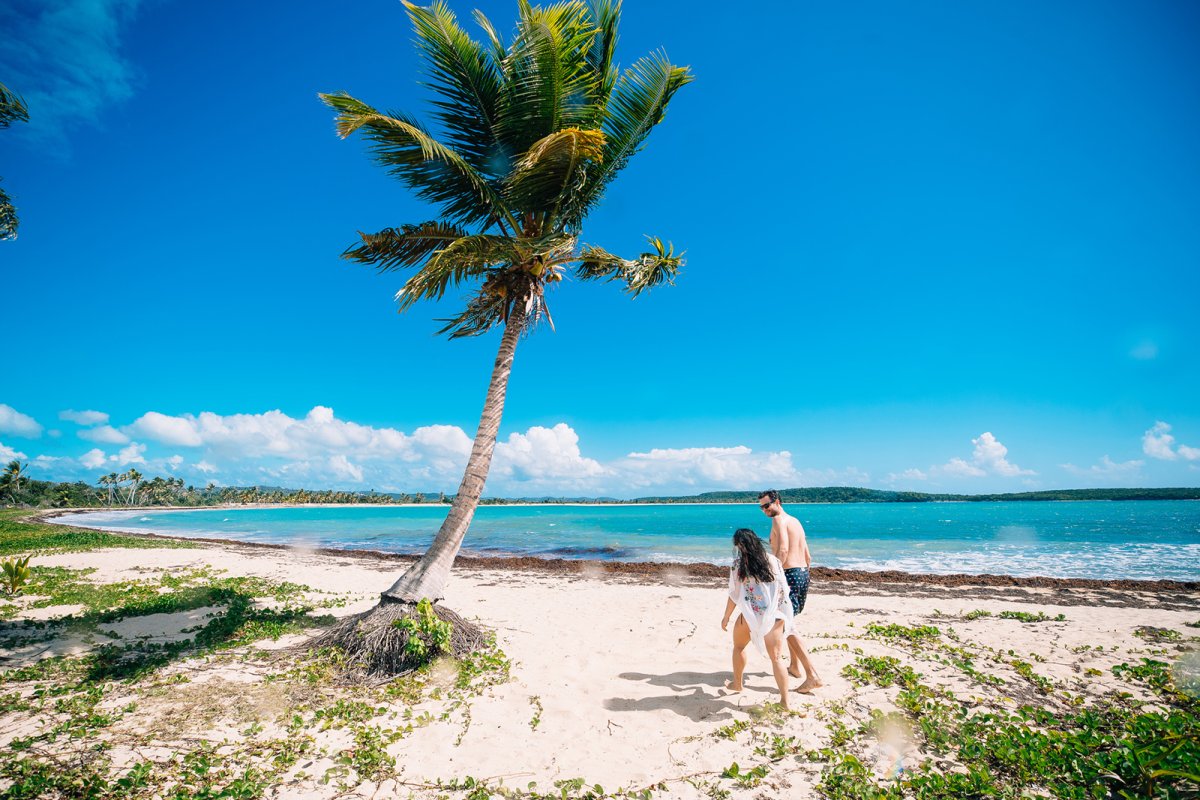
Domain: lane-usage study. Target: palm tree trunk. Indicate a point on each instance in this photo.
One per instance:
(427, 578)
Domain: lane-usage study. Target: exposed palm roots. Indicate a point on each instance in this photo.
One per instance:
(375, 646)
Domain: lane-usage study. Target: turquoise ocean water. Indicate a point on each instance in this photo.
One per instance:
(1138, 540)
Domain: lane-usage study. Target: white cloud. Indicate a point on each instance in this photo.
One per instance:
(84, 417)
(992, 456)
(94, 458)
(1107, 469)
(319, 450)
(908, 475)
(1159, 443)
(546, 457)
(989, 457)
(959, 468)
(133, 454)
(18, 424)
(103, 434)
(8, 454)
(343, 468)
(166, 429)
(709, 467)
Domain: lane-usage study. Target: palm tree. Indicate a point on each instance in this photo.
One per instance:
(135, 478)
(12, 109)
(532, 133)
(11, 477)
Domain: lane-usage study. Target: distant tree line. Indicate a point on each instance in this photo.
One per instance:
(131, 488)
(851, 494)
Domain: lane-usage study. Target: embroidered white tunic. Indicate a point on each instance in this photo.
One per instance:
(762, 604)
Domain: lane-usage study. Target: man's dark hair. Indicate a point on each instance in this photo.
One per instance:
(770, 494)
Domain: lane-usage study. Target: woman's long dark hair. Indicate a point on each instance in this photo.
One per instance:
(752, 561)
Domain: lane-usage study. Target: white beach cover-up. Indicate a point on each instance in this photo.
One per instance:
(761, 604)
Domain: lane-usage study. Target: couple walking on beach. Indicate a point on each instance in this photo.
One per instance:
(768, 589)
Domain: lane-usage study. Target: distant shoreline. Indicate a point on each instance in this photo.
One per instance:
(652, 571)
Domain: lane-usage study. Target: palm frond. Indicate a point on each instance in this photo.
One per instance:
(648, 270)
(548, 82)
(553, 170)
(12, 107)
(8, 218)
(606, 15)
(467, 78)
(438, 173)
(464, 259)
(499, 53)
(638, 103)
(406, 246)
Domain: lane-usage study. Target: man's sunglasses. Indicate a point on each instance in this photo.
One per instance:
(766, 505)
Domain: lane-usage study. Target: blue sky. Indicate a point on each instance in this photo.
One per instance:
(932, 246)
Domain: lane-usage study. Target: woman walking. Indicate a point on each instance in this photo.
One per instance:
(759, 591)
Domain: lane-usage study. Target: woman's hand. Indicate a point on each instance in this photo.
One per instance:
(725, 623)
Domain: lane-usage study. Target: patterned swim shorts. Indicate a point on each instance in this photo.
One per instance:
(797, 579)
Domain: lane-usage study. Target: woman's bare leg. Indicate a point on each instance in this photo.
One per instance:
(774, 643)
(741, 638)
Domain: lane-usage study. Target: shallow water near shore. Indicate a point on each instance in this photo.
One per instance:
(1144, 540)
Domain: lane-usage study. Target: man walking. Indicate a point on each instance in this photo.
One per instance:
(790, 546)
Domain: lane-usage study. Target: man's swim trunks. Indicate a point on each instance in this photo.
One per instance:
(797, 578)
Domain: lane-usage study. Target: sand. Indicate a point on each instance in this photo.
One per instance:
(617, 675)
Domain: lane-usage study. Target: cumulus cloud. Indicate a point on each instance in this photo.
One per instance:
(343, 468)
(166, 429)
(709, 467)
(989, 457)
(8, 454)
(126, 456)
(1159, 443)
(18, 424)
(104, 434)
(319, 449)
(83, 417)
(65, 57)
(906, 476)
(94, 458)
(1107, 469)
(546, 457)
(993, 457)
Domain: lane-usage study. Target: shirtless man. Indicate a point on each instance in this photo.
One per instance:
(791, 548)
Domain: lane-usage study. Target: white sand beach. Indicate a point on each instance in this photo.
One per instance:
(614, 679)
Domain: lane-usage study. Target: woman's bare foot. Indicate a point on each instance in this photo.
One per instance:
(795, 672)
(729, 687)
(810, 683)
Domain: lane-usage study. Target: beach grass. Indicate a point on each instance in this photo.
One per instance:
(988, 707)
(21, 532)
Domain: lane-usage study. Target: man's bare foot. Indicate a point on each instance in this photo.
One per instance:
(811, 683)
(729, 687)
(795, 672)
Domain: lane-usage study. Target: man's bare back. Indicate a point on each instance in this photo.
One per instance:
(788, 542)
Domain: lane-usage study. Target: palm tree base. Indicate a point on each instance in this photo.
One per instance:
(374, 646)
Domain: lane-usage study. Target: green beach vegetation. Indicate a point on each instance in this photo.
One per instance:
(526, 137)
